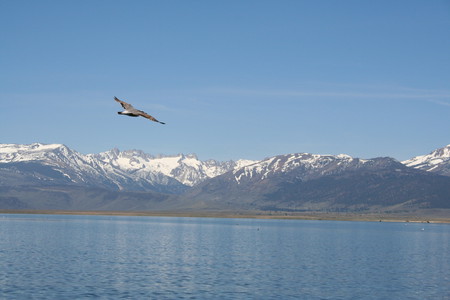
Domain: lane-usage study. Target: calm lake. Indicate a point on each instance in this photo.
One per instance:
(80, 257)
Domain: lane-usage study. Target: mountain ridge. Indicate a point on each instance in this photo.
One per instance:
(290, 182)
(122, 170)
(437, 161)
(347, 185)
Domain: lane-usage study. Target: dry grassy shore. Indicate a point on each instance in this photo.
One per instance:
(419, 217)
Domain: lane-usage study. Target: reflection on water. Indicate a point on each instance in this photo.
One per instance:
(61, 257)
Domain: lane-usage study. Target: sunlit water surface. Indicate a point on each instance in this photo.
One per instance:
(77, 257)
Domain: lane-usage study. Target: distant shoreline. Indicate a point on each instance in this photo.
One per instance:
(253, 215)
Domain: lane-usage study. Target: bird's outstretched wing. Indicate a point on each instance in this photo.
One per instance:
(123, 103)
(146, 115)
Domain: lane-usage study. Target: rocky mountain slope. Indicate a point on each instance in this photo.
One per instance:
(131, 170)
(437, 161)
(187, 169)
(307, 182)
(76, 197)
(41, 176)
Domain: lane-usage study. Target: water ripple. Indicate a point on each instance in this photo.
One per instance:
(84, 257)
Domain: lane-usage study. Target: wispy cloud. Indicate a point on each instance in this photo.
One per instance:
(368, 94)
(443, 103)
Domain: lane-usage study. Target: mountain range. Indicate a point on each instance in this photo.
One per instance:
(437, 161)
(40, 176)
(131, 170)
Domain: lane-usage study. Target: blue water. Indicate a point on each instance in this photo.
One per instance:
(80, 257)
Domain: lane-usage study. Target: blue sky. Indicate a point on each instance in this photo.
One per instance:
(232, 79)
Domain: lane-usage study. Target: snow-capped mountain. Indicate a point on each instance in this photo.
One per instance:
(437, 161)
(127, 170)
(39, 176)
(301, 166)
(310, 182)
(72, 165)
(187, 169)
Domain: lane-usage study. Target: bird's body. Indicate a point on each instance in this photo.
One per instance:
(128, 113)
(133, 112)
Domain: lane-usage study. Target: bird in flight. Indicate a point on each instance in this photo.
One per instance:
(133, 112)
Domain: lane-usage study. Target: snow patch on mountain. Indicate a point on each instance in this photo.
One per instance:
(437, 161)
(304, 164)
(131, 168)
(187, 169)
(36, 151)
(137, 170)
